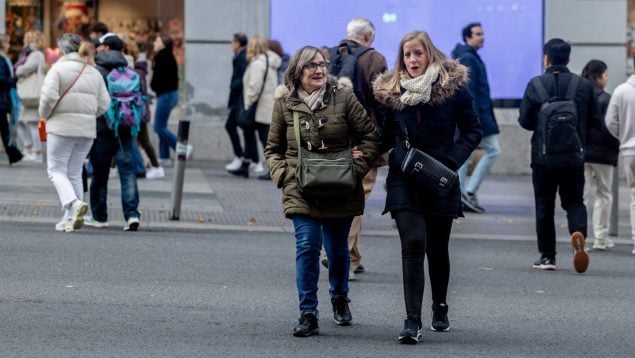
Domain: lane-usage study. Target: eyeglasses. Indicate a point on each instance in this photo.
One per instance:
(312, 66)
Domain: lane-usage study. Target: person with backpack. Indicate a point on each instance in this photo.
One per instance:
(560, 108)
(355, 59)
(72, 96)
(116, 132)
(620, 119)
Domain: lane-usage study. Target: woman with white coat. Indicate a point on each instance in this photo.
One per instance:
(72, 97)
(261, 60)
(30, 70)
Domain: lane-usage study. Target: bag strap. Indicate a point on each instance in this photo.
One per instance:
(404, 132)
(262, 88)
(296, 131)
(67, 90)
(543, 95)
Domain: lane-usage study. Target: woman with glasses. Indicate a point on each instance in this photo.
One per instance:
(427, 100)
(258, 91)
(330, 119)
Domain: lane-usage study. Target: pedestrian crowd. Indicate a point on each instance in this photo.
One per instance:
(318, 124)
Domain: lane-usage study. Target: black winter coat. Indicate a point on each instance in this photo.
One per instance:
(479, 87)
(239, 64)
(432, 128)
(165, 72)
(586, 104)
(601, 146)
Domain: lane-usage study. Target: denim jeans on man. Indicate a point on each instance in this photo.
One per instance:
(309, 235)
(491, 151)
(100, 157)
(165, 103)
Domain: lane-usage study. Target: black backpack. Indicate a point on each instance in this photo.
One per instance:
(344, 64)
(557, 138)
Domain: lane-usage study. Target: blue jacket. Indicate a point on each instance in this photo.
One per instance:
(479, 87)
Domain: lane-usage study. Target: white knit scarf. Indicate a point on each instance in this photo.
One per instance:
(313, 100)
(418, 89)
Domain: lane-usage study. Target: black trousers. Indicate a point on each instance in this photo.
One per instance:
(569, 183)
(231, 126)
(251, 145)
(12, 151)
(421, 235)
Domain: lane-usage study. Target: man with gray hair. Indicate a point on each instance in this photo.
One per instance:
(354, 58)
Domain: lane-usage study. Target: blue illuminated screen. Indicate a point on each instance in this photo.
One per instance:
(513, 30)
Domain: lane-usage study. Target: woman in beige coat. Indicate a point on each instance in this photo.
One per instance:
(74, 94)
(331, 119)
(30, 70)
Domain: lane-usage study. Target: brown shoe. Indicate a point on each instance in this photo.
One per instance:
(580, 257)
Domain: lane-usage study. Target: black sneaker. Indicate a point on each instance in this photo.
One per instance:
(440, 322)
(341, 312)
(359, 269)
(308, 325)
(545, 263)
(470, 203)
(411, 332)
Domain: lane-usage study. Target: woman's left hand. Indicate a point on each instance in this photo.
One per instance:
(357, 153)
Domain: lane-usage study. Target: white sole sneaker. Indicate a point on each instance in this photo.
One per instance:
(79, 209)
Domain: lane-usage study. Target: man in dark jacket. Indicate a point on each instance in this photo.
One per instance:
(235, 104)
(466, 54)
(568, 182)
(7, 84)
(360, 32)
(108, 145)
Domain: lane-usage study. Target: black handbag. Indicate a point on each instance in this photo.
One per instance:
(247, 119)
(424, 169)
(324, 174)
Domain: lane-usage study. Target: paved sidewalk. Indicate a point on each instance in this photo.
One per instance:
(215, 200)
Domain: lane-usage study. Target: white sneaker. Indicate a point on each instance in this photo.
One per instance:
(166, 163)
(609, 243)
(256, 167)
(188, 151)
(78, 209)
(600, 244)
(234, 164)
(132, 224)
(90, 221)
(66, 225)
(155, 173)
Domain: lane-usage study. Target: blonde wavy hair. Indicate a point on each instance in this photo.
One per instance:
(434, 55)
(34, 37)
(256, 46)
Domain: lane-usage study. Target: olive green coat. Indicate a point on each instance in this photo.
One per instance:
(345, 121)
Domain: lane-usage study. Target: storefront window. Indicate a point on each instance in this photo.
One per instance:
(22, 16)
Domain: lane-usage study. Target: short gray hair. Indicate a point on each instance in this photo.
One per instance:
(301, 58)
(358, 27)
(69, 43)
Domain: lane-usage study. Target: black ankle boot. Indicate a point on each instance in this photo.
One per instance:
(243, 171)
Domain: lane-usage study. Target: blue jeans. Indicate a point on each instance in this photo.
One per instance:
(309, 235)
(138, 159)
(491, 151)
(165, 103)
(100, 158)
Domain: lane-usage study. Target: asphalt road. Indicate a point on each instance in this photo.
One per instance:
(106, 293)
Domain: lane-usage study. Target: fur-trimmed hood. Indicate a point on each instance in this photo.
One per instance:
(333, 82)
(441, 92)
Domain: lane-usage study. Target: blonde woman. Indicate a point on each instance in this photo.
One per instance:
(30, 70)
(73, 95)
(261, 60)
(426, 100)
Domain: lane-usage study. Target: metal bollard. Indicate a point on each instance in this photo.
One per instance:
(179, 169)
(613, 219)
